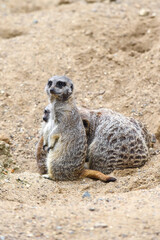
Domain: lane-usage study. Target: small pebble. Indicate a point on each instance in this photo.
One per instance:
(92, 209)
(100, 225)
(2, 238)
(30, 235)
(101, 199)
(7, 181)
(153, 15)
(124, 235)
(71, 232)
(86, 194)
(144, 12)
(88, 33)
(59, 228)
(94, 10)
(35, 21)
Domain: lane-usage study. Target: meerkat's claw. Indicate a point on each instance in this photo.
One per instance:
(49, 148)
(44, 147)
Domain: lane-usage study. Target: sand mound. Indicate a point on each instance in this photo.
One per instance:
(111, 51)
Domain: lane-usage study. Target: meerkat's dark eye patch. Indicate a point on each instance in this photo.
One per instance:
(46, 111)
(72, 87)
(49, 83)
(60, 84)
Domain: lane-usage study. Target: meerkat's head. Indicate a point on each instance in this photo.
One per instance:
(59, 87)
(46, 113)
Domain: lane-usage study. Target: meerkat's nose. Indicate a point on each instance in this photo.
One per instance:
(45, 119)
(52, 90)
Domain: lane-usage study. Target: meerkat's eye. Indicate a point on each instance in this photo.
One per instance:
(72, 87)
(49, 83)
(60, 84)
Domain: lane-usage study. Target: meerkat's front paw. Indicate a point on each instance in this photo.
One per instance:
(46, 176)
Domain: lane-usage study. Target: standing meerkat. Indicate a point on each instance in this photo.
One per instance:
(115, 141)
(67, 144)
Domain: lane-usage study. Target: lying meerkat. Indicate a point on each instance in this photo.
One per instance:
(115, 141)
(65, 136)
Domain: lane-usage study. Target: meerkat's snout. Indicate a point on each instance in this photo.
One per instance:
(52, 91)
(45, 119)
(46, 113)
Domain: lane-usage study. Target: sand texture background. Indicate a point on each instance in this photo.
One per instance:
(111, 51)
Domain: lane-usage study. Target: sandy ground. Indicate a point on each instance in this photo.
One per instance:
(111, 51)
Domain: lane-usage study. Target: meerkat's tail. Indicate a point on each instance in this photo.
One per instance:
(96, 175)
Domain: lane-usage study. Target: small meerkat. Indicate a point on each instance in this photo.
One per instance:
(115, 141)
(43, 141)
(65, 135)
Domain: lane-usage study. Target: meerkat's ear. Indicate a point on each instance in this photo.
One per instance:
(86, 125)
